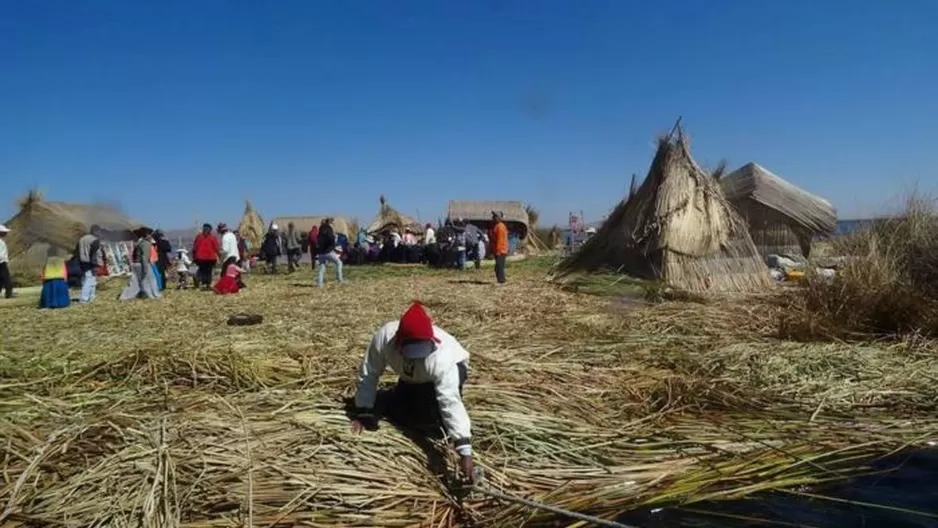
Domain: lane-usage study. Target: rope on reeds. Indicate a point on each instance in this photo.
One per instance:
(479, 477)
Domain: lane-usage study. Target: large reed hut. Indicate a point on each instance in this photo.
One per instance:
(479, 213)
(40, 225)
(304, 224)
(389, 218)
(782, 218)
(252, 227)
(678, 228)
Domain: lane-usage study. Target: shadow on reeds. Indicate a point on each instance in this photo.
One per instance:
(418, 425)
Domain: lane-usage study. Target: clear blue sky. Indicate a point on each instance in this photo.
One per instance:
(319, 106)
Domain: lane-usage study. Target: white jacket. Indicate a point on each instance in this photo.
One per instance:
(439, 368)
(229, 246)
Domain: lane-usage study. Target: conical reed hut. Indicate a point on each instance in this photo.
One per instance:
(677, 227)
(41, 224)
(252, 227)
(389, 218)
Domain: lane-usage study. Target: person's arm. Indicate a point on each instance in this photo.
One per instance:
(369, 373)
(455, 418)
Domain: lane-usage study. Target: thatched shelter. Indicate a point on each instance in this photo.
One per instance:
(678, 228)
(252, 227)
(41, 224)
(782, 218)
(479, 213)
(304, 224)
(389, 218)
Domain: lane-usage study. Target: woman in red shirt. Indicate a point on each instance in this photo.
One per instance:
(205, 250)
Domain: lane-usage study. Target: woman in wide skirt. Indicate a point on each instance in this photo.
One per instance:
(54, 284)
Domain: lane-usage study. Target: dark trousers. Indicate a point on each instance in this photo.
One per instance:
(293, 260)
(417, 401)
(161, 268)
(6, 281)
(500, 268)
(203, 276)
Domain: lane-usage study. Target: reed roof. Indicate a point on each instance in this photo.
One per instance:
(61, 224)
(677, 227)
(799, 207)
(389, 217)
(304, 224)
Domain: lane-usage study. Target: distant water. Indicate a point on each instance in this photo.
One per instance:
(845, 227)
(907, 482)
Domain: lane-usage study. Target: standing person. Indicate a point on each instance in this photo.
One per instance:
(326, 249)
(313, 239)
(293, 245)
(245, 262)
(229, 245)
(499, 246)
(480, 249)
(271, 248)
(164, 251)
(429, 236)
(6, 281)
(54, 282)
(473, 235)
(432, 367)
(459, 241)
(182, 269)
(143, 281)
(89, 259)
(205, 251)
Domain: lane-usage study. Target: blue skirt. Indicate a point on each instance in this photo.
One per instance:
(54, 294)
(159, 278)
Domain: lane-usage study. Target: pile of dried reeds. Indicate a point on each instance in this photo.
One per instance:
(888, 285)
(678, 228)
(155, 413)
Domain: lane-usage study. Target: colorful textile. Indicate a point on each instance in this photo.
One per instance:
(54, 269)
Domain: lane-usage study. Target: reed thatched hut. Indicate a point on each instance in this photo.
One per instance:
(40, 225)
(252, 227)
(304, 224)
(782, 218)
(479, 214)
(678, 228)
(389, 218)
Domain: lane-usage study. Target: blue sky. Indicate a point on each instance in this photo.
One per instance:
(179, 110)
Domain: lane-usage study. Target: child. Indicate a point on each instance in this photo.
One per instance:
(182, 269)
(230, 281)
(54, 283)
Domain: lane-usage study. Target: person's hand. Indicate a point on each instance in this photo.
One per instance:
(466, 467)
(357, 427)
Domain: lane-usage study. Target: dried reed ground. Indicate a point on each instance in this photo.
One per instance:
(154, 413)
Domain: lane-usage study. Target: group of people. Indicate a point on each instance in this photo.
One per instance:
(322, 241)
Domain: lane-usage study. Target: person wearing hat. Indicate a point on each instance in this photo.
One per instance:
(229, 245)
(499, 241)
(205, 251)
(183, 263)
(272, 247)
(6, 281)
(432, 367)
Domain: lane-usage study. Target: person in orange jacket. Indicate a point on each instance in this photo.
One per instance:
(499, 240)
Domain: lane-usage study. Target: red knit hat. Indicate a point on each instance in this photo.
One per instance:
(416, 330)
